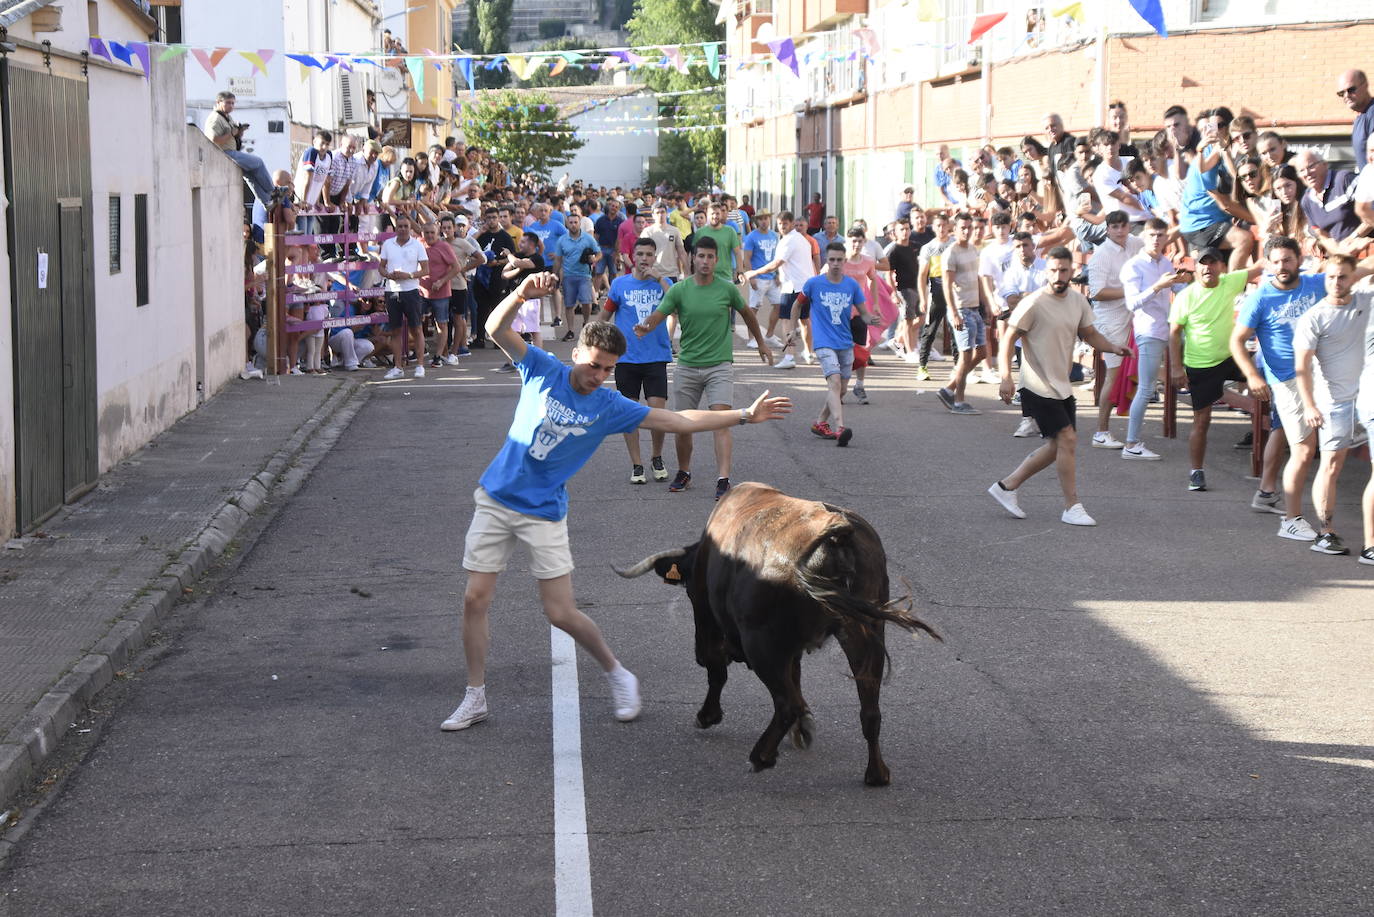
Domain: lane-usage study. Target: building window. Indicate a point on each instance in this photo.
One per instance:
(116, 234)
(168, 18)
(141, 249)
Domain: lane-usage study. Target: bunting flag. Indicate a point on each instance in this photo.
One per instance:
(713, 61)
(982, 23)
(172, 51)
(1153, 13)
(416, 66)
(209, 60)
(140, 50)
(558, 67)
(305, 60)
(518, 65)
(99, 50)
(785, 50)
(674, 56)
(121, 52)
(305, 71)
(929, 11)
(1073, 11)
(869, 39)
(258, 59)
(465, 68)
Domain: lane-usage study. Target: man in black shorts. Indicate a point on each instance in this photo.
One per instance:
(1049, 321)
(643, 370)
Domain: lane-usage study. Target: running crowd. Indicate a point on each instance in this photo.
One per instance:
(1207, 246)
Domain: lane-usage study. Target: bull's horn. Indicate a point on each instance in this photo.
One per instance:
(647, 564)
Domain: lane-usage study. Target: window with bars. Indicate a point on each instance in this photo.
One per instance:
(116, 234)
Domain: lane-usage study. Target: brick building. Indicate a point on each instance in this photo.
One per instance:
(857, 128)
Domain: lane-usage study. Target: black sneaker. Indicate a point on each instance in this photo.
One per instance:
(656, 466)
(1197, 480)
(1246, 442)
(681, 482)
(435, 362)
(556, 322)
(568, 337)
(1330, 543)
(843, 436)
(722, 487)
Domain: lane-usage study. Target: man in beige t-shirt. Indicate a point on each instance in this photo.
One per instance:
(1046, 323)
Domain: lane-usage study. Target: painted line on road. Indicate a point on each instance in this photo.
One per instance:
(572, 861)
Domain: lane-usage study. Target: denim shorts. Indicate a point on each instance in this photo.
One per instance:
(834, 362)
(438, 308)
(577, 289)
(974, 333)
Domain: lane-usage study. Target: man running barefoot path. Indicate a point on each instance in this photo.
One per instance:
(561, 418)
(1046, 323)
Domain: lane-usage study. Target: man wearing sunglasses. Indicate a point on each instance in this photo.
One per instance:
(1353, 89)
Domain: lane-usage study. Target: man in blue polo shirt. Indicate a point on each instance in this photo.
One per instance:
(548, 230)
(574, 253)
(561, 418)
(759, 246)
(833, 299)
(644, 368)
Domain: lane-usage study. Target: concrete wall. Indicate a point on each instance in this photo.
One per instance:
(8, 496)
(615, 159)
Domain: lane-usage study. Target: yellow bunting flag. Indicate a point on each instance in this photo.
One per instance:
(518, 65)
(929, 11)
(1073, 11)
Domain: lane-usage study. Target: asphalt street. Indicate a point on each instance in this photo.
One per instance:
(1167, 714)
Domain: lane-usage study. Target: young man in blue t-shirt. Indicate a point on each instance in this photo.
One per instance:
(562, 416)
(833, 299)
(573, 256)
(643, 369)
(759, 246)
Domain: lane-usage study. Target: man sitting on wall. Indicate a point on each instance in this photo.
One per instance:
(228, 136)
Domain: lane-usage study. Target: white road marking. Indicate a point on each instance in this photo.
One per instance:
(572, 862)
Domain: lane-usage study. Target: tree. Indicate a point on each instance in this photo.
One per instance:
(571, 76)
(487, 33)
(517, 133)
(671, 22)
(678, 164)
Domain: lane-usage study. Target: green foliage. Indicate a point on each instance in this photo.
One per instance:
(487, 33)
(571, 76)
(552, 28)
(670, 22)
(678, 164)
(516, 113)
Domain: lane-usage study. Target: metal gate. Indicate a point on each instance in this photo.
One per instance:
(48, 176)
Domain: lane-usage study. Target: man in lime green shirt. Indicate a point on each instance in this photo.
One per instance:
(729, 248)
(703, 304)
(1200, 323)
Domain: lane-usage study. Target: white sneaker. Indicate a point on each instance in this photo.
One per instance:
(786, 362)
(1296, 528)
(774, 341)
(624, 693)
(296, 371)
(1027, 427)
(1139, 453)
(1008, 500)
(912, 356)
(419, 370)
(751, 344)
(471, 711)
(1106, 441)
(451, 359)
(250, 372)
(1077, 515)
(809, 358)
(988, 378)
(394, 372)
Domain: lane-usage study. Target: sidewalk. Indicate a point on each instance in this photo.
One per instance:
(81, 594)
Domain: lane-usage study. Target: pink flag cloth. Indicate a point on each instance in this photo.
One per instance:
(983, 23)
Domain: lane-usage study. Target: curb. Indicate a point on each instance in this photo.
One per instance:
(38, 733)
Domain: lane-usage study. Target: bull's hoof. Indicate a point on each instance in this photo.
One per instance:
(708, 718)
(804, 732)
(760, 763)
(877, 775)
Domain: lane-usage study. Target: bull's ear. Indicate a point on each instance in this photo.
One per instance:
(675, 570)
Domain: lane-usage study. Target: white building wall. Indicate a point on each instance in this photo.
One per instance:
(615, 159)
(343, 26)
(243, 24)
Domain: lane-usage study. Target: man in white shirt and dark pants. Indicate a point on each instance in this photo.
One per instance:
(404, 262)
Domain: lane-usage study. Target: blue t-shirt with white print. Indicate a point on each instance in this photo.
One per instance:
(831, 306)
(760, 246)
(635, 301)
(554, 433)
(1274, 313)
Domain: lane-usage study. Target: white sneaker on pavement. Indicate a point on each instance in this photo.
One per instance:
(624, 693)
(1140, 453)
(1296, 528)
(451, 359)
(773, 341)
(471, 711)
(1077, 515)
(1007, 498)
(1027, 427)
(1106, 441)
(419, 370)
(394, 372)
(786, 362)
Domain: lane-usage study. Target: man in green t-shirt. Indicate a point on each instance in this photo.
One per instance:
(703, 304)
(729, 248)
(1200, 323)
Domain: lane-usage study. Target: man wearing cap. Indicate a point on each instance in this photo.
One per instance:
(1200, 322)
(905, 205)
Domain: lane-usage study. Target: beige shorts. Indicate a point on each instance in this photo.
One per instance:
(1288, 403)
(496, 530)
(1114, 329)
(702, 386)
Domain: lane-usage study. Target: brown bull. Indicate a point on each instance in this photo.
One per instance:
(773, 576)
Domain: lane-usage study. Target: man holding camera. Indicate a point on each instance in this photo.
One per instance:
(228, 136)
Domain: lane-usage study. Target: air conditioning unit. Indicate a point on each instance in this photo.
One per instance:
(353, 110)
